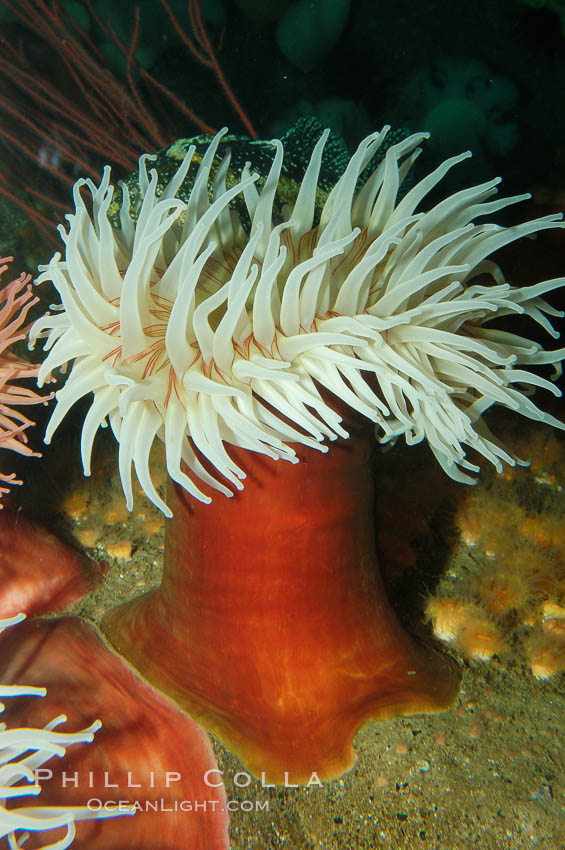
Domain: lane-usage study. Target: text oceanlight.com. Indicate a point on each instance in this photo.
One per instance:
(162, 805)
(134, 785)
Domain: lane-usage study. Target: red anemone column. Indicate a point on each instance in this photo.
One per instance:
(272, 627)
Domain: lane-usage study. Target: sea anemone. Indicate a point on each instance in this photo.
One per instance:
(241, 331)
(182, 324)
(16, 299)
(147, 757)
(22, 753)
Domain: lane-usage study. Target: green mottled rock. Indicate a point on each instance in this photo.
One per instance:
(298, 144)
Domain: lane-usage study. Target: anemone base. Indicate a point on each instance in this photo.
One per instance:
(272, 627)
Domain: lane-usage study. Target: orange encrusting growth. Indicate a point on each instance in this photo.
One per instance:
(512, 593)
(448, 616)
(547, 650)
(466, 626)
(272, 627)
(502, 589)
(480, 639)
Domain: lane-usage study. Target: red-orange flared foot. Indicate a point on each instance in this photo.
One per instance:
(271, 626)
